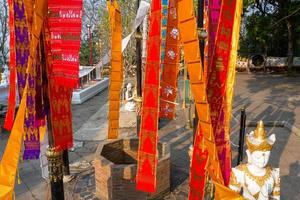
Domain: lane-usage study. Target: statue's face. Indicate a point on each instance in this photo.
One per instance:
(129, 87)
(259, 159)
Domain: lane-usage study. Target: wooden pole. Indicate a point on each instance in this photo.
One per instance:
(242, 136)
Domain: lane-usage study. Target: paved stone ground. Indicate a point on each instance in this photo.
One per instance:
(267, 97)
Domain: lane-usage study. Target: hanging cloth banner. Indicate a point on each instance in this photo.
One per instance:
(65, 18)
(29, 12)
(116, 74)
(214, 8)
(204, 136)
(31, 138)
(12, 66)
(170, 71)
(62, 45)
(164, 22)
(32, 134)
(60, 102)
(147, 152)
(216, 88)
(22, 32)
(227, 107)
(10, 159)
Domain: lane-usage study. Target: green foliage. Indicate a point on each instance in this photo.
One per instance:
(102, 35)
(265, 27)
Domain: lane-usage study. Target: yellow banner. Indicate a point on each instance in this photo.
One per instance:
(10, 159)
(232, 64)
(224, 193)
(116, 74)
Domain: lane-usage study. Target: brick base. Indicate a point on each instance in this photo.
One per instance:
(115, 171)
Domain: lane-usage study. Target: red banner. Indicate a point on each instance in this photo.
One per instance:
(199, 159)
(9, 120)
(60, 104)
(147, 152)
(217, 79)
(65, 29)
(171, 61)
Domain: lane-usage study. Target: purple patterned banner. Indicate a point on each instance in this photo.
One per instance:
(22, 44)
(31, 140)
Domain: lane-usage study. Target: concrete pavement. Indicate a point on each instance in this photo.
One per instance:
(267, 97)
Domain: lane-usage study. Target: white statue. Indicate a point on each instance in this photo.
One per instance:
(256, 180)
(130, 104)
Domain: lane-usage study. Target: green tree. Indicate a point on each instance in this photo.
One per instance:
(271, 27)
(101, 31)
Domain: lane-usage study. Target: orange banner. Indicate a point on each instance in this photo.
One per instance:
(116, 74)
(204, 137)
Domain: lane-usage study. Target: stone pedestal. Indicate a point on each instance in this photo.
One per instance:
(116, 166)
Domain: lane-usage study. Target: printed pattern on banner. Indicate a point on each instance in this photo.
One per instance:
(171, 62)
(116, 74)
(148, 137)
(22, 43)
(164, 22)
(216, 85)
(230, 83)
(29, 12)
(214, 8)
(31, 138)
(9, 119)
(32, 134)
(10, 159)
(204, 136)
(60, 103)
(65, 18)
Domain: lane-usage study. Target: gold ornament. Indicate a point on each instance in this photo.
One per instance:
(260, 133)
(260, 180)
(258, 141)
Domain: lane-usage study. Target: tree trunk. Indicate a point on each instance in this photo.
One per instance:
(290, 51)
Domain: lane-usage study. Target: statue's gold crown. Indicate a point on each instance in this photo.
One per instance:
(257, 140)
